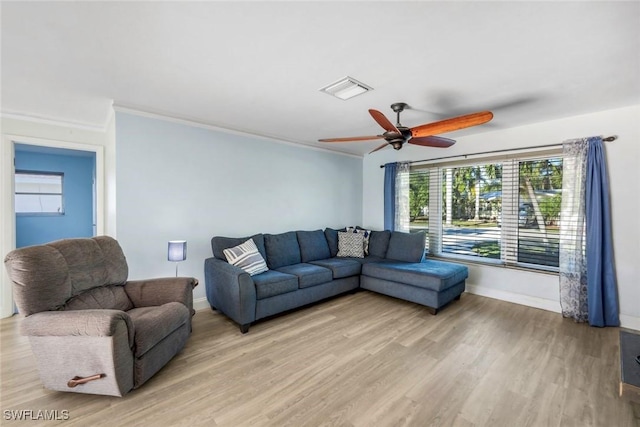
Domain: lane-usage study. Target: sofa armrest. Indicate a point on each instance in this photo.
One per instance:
(93, 323)
(230, 290)
(154, 292)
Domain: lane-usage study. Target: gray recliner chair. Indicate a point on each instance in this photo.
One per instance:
(91, 330)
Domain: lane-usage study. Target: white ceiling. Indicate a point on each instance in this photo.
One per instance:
(256, 67)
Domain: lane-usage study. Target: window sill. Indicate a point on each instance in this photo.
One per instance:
(491, 263)
(39, 214)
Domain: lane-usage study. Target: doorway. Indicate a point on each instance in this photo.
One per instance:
(54, 194)
(7, 209)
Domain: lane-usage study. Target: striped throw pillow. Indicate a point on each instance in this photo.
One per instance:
(247, 257)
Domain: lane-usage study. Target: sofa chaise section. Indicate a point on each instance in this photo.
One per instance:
(406, 274)
(429, 283)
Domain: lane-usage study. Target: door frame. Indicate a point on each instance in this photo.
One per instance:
(7, 208)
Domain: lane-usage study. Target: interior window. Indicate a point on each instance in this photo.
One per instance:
(39, 193)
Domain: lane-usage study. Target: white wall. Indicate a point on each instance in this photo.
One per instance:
(178, 181)
(538, 289)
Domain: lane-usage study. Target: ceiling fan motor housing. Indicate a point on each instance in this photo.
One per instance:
(397, 143)
(397, 140)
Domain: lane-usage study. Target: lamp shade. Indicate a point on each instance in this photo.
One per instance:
(177, 250)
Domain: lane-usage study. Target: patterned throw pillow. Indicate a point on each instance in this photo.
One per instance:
(365, 241)
(350, 244)
(247, 257)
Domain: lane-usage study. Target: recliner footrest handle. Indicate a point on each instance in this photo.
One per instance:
(83, 380)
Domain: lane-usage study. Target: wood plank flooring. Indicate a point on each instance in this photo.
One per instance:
(358, 360)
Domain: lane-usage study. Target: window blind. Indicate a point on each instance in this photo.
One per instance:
(503, 211)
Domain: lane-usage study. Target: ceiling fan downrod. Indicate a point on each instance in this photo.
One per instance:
(405, 133)
(398, 108)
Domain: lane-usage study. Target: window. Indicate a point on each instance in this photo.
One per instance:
(419, 202)
(39, 193)
(499, 212)
(471, 205)
(539, 199)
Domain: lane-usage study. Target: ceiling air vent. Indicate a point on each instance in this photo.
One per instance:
(346, 88)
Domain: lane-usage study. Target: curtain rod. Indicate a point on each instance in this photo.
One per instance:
(607, 139)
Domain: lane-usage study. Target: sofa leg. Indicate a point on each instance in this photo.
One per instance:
(213, 308)
(432, 310)
(458, 297)
(244, 328)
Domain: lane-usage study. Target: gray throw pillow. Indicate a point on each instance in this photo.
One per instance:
(350, 244)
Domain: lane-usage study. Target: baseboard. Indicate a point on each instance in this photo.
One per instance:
(626, 321)
(630, 322)
(527, 300)
(201, 304)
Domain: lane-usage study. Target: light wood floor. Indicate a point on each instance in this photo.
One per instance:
(359, 360)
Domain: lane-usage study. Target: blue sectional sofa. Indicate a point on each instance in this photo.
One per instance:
(304, 267)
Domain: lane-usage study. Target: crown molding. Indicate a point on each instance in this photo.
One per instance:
(204, 125)
(165, 117)
(56, 122)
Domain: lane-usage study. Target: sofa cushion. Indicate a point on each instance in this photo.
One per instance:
(370, 259)
(247, 257)
(332, 240)
(313, 245)
(340, 267)
(112, 297)
(378, 243)
(408, 247)
(434, 275)
(219, 244)
(350, 244)
(282, 249)
(308, 274)
(272, 283)
(153, 324)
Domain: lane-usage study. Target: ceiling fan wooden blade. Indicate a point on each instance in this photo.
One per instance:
(432, 141)
(383, 121)
(449, 125)
(379, 148)
(352, 138)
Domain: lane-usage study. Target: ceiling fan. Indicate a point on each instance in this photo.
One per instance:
(424, 135)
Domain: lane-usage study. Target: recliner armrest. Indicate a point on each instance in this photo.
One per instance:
(154, 292)
(93, 322)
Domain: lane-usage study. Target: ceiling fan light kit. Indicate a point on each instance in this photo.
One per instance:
(346, 88)
(423, 135)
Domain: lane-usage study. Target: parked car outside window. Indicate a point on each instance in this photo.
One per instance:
(526, 215)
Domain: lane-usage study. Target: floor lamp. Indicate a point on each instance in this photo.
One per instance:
(177, 252)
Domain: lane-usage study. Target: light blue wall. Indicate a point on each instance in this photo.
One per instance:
(176, 181)
(77, 220)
